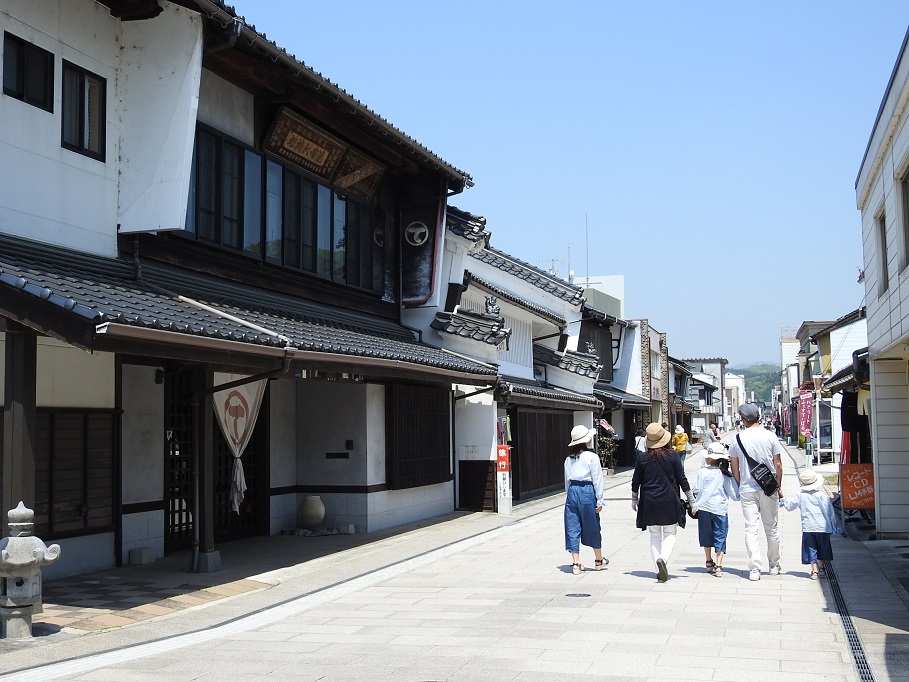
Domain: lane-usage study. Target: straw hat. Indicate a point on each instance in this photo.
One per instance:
(657, 436)
(581, 434)
(810, 481)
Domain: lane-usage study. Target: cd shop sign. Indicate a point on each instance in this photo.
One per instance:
(857, 486)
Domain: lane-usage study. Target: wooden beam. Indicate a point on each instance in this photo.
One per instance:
(21, 362)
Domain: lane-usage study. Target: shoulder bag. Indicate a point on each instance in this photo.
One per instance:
(760, 472)
(684, 501)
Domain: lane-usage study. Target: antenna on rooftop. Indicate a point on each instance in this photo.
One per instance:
(552, 270)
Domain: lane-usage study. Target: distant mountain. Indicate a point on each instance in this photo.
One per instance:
(760, 377)
(750, 365)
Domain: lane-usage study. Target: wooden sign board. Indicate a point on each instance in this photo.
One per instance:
(857, 486)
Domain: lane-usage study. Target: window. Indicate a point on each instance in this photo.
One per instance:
(28, 72)
(277, 213)
(904, 196)
(418, 445)
(883, 280)
(74, 471)
(84, 112)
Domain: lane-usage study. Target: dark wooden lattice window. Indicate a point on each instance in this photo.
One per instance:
(418, 442)
(74, 471)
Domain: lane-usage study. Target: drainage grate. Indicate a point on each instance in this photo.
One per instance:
(855, 644)
(577, 594)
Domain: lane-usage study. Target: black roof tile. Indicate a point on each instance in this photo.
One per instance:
(532, 275)
(105, 290)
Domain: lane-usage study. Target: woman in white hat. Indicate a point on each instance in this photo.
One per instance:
(714, 489)
(818, 521)
(584, 499)
(658, 475)
(680, 440)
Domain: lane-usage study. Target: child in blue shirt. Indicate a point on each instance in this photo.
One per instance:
(715, 487)
(818, 521)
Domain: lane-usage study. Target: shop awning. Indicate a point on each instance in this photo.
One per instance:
(153, 309)
(514, 391)
(617, 399)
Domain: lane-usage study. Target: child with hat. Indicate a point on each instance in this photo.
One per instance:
(715, 487)
(818, 520)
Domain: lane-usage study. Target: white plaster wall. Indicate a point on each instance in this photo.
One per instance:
(226, 107)
(475, 425)
(78, 195)
(391, 508)
(845, 340)
(80, 555)
(69, 377)
(143, 529)
(890, 431)
(329, 414)
(627, 375)
(157, 93)
(375, 434)
(282, 401)
(142, 438)
(283, 512)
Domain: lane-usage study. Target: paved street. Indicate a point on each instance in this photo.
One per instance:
(504, 606)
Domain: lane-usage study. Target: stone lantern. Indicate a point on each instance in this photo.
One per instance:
(21, 558)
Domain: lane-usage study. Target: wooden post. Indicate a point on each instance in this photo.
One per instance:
(19, 423)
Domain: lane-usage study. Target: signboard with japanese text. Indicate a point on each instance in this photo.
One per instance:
(857, 486)
(806, 404)
(503, 471)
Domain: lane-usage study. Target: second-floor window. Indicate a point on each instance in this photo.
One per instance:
(28, 72)
(270, 211)
(883, 281)
(84, 103)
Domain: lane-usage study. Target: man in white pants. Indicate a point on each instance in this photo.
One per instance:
(757, 508)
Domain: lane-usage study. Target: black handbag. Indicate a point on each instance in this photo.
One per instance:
(688, 510)
(761, 473)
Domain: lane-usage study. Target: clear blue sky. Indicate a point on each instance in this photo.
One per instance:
(712, 148)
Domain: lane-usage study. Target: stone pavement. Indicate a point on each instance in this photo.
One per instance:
(478, 596)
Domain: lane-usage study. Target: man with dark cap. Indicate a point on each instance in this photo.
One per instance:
(758, 508)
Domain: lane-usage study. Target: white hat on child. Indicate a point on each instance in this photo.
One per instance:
(810, 481)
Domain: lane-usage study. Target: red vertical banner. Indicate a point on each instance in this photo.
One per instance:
(786, 424)
(806, 404)
(503, 461)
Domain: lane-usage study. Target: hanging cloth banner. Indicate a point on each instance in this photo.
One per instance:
(237, 409)
(786, 426)
(806, 404)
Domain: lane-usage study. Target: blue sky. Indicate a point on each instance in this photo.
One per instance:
(711, 148)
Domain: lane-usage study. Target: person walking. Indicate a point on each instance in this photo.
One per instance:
(640, 441)
(818, 521)
(714, 489)
(680, 442)
(658, 475)
(758, 508)
(711, 435)
(584, 499)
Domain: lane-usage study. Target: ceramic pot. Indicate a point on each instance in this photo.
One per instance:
(311, 513)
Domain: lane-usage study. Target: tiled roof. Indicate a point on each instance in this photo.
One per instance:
(471, 325)
(609, 393)
(514, 299)
(535, 276)
(467, 225)
(103, 290)
(597, 314)
(509, 386)
(585, 364)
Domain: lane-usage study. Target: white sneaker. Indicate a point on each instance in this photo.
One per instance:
(755, 574)
(775, 569)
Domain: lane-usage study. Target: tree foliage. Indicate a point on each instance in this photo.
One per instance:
(761, 379)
